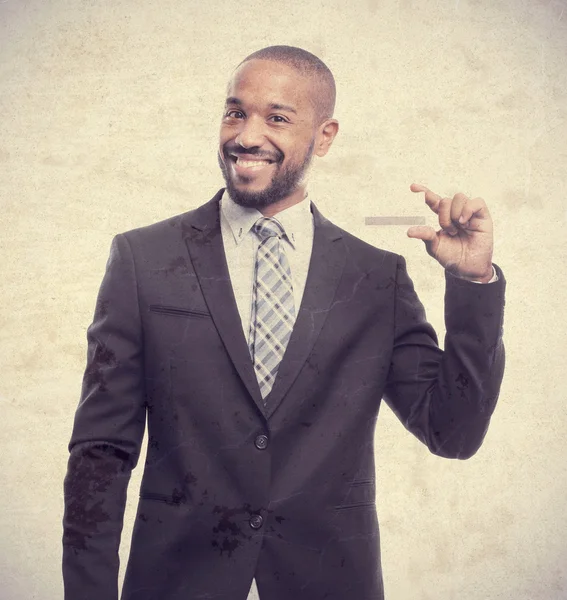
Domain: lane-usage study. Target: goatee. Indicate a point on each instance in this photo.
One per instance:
(283, 184)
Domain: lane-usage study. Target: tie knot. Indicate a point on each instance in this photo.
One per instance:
(267, 227)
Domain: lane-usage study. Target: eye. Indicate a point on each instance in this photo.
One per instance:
(278, 119)
(234, 114)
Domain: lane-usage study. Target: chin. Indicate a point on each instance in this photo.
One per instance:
(252, 199)
(283, 184)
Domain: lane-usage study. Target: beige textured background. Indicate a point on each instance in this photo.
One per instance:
(109, 120)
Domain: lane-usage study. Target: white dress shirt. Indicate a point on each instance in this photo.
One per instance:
(241, 243)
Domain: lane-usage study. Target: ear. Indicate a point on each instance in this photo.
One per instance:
(326, 133)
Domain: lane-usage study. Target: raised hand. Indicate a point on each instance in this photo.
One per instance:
(464, 243)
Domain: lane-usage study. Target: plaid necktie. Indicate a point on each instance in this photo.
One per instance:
(273, 308)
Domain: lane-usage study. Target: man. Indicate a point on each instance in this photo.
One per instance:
(258, 339)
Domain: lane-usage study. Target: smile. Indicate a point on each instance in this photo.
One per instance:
(245, 164)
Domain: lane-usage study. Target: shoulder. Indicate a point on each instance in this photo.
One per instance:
(362, 248)
(177, 227)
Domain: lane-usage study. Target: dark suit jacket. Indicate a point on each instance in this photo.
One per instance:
(234, 489)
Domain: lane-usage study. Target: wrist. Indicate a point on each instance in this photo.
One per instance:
(488, 277)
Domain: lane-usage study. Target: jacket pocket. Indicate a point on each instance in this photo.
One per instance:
(175, 311)
(173, 500)
(359, 493)
(355, 505)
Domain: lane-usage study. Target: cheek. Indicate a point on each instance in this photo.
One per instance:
(227, 133)
(297, 154)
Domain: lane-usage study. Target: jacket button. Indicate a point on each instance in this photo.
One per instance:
(261, 442)
(256, 521)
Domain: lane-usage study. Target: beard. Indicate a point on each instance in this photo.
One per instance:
(284, 182)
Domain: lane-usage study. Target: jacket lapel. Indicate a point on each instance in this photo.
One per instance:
(203, 237)
(325, 271)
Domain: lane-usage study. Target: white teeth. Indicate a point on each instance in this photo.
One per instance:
(252, 163)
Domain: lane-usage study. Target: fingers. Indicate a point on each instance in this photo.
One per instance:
(431, 198)
(471, 215)
(475, 208)
(456, 213)
(445, 214)
(458, 205)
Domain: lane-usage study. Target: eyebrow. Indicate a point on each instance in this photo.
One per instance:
(283, 107)
(233, 100)
(273, 106)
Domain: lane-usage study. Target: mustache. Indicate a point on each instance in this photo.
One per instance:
(277, 156)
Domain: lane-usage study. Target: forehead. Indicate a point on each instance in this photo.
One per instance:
(265, 82)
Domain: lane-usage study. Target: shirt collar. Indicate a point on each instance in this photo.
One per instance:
(239, 218)
(296, 220)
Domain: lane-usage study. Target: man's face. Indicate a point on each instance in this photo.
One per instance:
(267, 133)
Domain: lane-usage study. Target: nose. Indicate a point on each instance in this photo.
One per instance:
(251, 133)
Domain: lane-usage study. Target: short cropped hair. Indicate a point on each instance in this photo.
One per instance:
(308, 65)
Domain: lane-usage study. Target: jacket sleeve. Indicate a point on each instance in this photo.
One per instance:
(446, 397)
(107, 434)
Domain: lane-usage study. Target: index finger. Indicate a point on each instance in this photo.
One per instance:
(431, 198)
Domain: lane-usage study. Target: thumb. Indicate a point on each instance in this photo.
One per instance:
(422, 232)
(428, 235)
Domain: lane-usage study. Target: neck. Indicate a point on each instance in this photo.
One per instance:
(298, 196)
